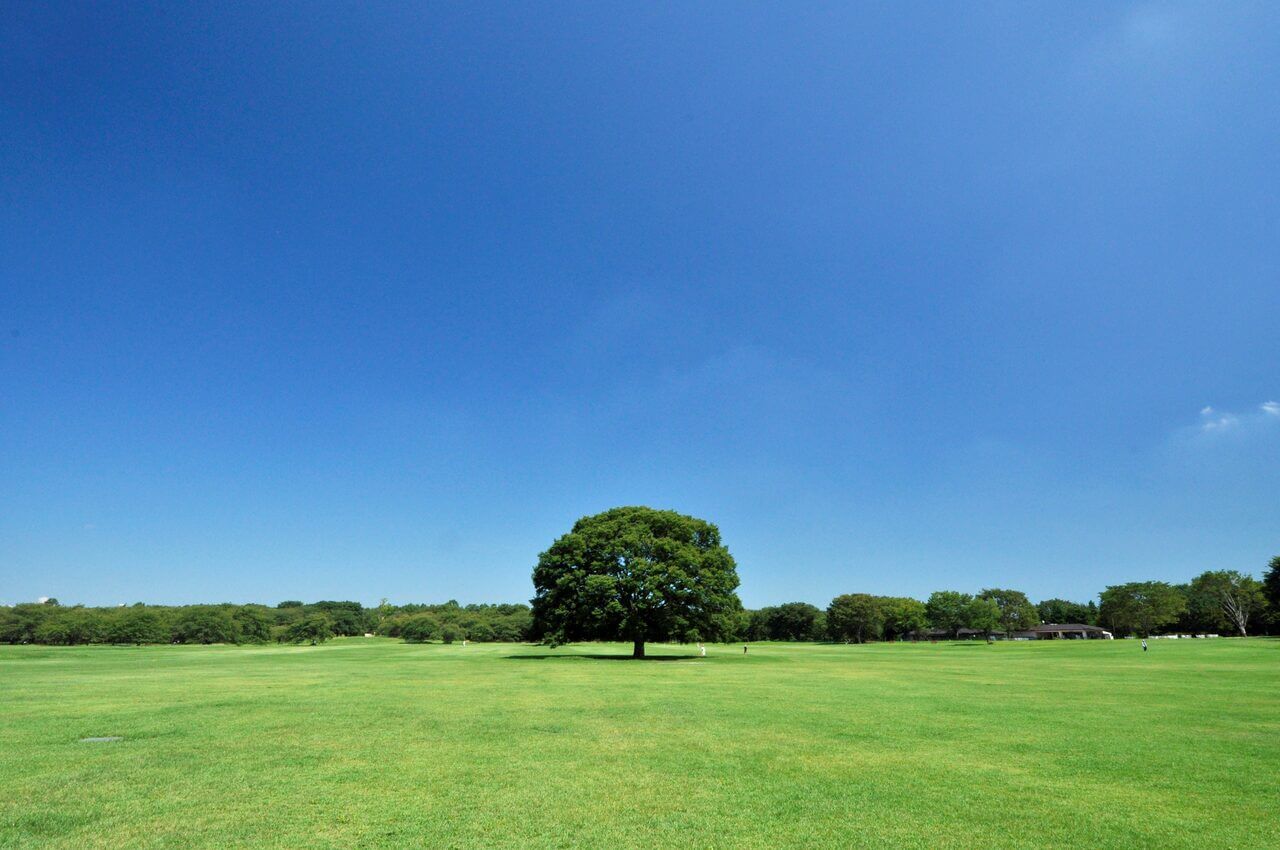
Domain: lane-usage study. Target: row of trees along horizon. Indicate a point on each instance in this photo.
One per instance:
(642, 575)
(1220, 601)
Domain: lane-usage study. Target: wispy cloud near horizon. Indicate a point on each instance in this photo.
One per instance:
(1218, 421)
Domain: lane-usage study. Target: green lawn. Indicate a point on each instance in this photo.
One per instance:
(373, 743)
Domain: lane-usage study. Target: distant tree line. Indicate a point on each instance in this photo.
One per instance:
(451, 622)
(289, 622)
(1217, 601)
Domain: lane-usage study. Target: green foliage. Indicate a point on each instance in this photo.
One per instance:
(756, 625)
(481, 623)
(903, 616)
(450, 633)
(204, 624)
(20, 623)
(418, 628)
(1016, 613)
(793, 621)
(252, 623)
(951, 611)
(1271, 591)
(1141, 607)
(72, 626)
(348, 618)
(1064, 611)
(1226, 599)
(636, 574)
(245, 623)
(982, 615)
(138, 626)
(948, 610)
(313, 629)
(857, 617)
(1222, 601)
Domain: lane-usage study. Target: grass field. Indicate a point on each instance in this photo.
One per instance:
(373, 743)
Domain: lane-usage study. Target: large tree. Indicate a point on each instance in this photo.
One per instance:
(795, 621)
(902, 616)
(1065, 611)
(756, 625)
(857, 617)
(1271, 588)
(636, 574)
(313, 629)
(20, 623)
(948, 610)
(204, 624)
(348, 618)
(253, 623)
(1016, 611)
(1226, 597)
(982, 615)
(1141, 606)
(138, 625)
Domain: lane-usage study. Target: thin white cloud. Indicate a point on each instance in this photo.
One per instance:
(1214, 421)
(1220, 423)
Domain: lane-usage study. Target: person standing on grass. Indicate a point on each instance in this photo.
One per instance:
(1144, 644)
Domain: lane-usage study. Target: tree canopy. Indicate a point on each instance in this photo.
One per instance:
(1065, 611)
(313, 628)
(857, 617)
(1226, 598)
(903, 616)
(1271, 586)
(1141, 606)
(1226, 601)
(948, 610)
(1016, 611)
(636, 574)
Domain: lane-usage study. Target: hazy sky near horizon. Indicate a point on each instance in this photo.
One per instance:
(320, 300)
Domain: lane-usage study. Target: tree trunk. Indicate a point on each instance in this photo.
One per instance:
(638, 651)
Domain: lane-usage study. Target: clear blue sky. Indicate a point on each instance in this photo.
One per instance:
(350, 301)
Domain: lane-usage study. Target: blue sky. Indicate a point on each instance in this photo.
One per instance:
(365, 300)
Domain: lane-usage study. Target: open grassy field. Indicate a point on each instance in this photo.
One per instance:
(373, 743)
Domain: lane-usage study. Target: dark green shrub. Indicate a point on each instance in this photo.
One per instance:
(419, 628)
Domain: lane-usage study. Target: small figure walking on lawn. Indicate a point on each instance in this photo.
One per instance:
(1144, 644)
(744, 650)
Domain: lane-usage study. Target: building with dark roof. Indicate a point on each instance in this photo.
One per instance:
(1065, 631)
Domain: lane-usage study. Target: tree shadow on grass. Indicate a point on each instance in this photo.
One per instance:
(572, 656)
